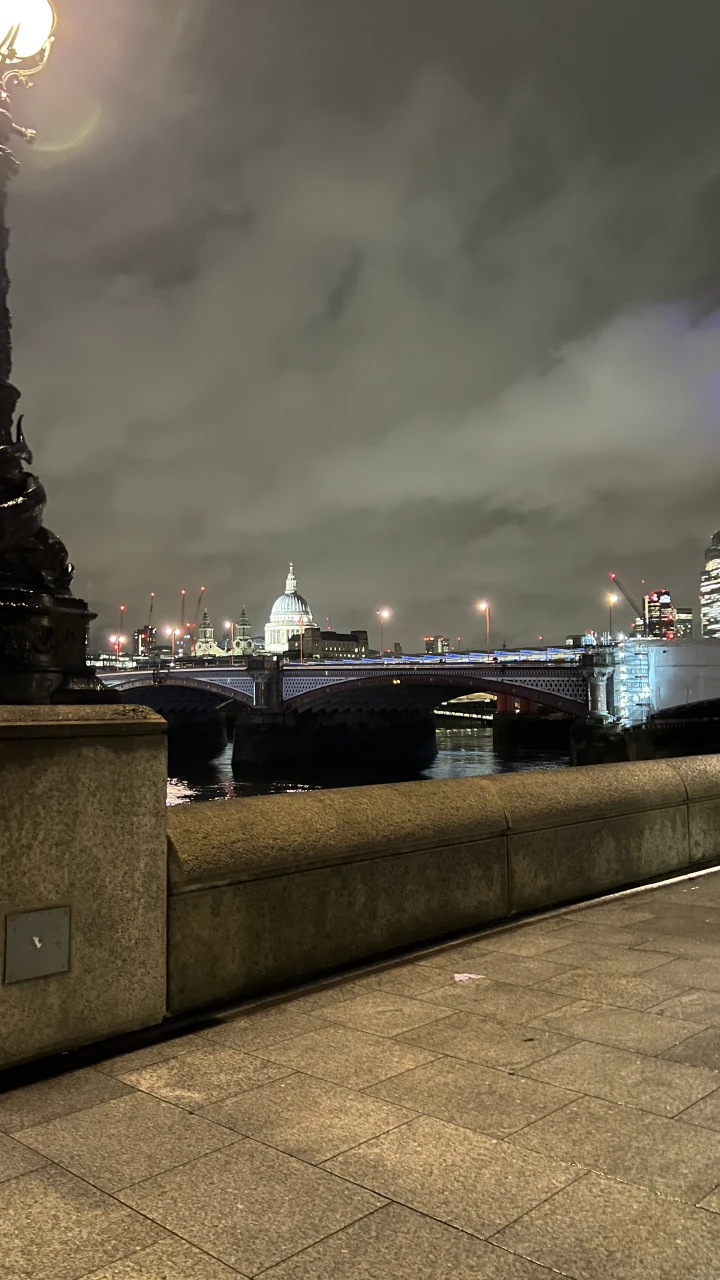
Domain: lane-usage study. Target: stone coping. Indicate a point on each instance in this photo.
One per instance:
(239, 840)
(93, 721)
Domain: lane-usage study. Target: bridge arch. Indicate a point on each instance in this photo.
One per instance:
(421, 690)
(193, 690)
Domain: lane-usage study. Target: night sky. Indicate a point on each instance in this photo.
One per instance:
(417, 294)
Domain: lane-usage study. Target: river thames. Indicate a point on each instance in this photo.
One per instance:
(462, 753)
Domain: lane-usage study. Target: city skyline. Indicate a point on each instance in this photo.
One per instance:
(425, 305)
(659, 612)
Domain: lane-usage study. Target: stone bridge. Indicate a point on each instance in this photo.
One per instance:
(563, 686)
(295, 713)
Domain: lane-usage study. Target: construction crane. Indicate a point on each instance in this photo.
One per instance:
(639, 614)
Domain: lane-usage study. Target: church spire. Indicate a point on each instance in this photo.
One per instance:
(291, 584)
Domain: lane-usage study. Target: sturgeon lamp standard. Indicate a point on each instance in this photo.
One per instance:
(43, 627)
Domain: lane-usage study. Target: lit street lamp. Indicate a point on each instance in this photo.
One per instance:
(43, 627)
(383, 615)
(117, 642)
(484, 607)
(230, 626)
(173, 632)
(612, 599)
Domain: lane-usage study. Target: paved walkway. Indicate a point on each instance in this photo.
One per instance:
(544, 1099)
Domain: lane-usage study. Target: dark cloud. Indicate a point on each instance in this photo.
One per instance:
(421, 296)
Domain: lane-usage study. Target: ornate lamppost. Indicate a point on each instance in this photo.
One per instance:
(43, 627)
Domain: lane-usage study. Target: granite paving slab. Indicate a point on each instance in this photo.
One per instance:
(498, 1044)
(170, 1260)
(151, 1054)
(623, 1028)
(706, 1112)
(345, 1056)
(473, 1096)
(504, 966)
(263, 1026)
(618, 1075)
(16, 1159)
(693, 973)
(643, 992)
(666, 1156)
(465, 1179)
(500, 1000)
(58, 1096)
(123, 1141)
(196, 1079)
(623, 961)
(700, 1007)
(397, 1244)
(701, 1050)
(308, 1118)
(250, 1206)
(384, 1013)
(600, 1229)
(54, 1226)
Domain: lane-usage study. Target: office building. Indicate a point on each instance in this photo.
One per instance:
(658, 615)
(437, 644)
(683, 623)
(328, 646)
(710, 592)
(144, 642)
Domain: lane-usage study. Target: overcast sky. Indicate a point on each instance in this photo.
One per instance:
(419, 295)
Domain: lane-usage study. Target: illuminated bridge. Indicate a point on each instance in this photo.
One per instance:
(292, 710)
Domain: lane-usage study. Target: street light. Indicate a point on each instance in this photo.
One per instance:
(173, 632)
(611, 600)
(230, 626)
(383, 615)
(483, 606)
(43, 627)
(117, 641)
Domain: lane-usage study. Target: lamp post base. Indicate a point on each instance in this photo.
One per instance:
(43, 650)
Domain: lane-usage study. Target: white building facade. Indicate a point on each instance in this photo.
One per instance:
(289, 615)
(205, 646)
(242, 644)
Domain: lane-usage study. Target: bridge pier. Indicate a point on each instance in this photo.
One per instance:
(531, 729)
(193, 733)
(364, 739)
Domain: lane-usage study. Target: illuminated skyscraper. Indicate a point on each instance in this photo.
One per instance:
(659, 615)
(710, 591)
(683, 622)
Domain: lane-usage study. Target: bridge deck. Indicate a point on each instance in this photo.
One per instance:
(541, 1100)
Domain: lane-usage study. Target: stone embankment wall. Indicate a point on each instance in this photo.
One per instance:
(115, 911)
(267, 891)
(83, 876)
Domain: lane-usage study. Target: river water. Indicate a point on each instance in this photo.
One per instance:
(462, 753)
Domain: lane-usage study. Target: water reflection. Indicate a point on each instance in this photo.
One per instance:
(462, 753)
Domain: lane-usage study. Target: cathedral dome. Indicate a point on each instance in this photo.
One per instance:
(289, 613)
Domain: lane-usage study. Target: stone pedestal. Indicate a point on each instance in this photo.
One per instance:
(43, 641)
(82, 827)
